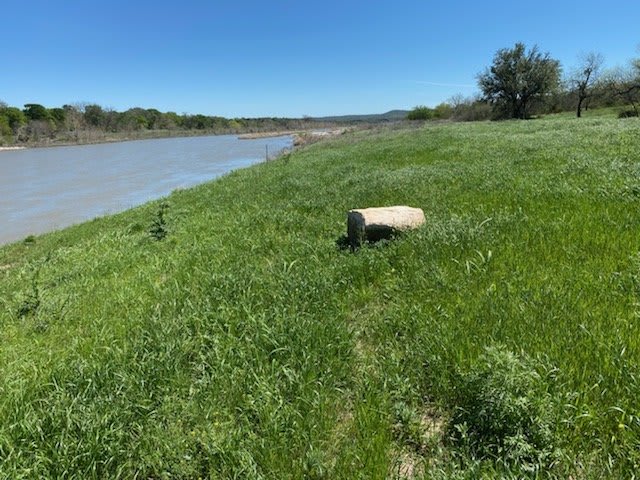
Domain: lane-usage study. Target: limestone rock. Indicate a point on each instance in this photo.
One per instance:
(374, 224)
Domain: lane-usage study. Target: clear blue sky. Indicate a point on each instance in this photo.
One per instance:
(285, 57)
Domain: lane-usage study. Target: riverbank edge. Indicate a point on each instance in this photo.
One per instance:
(11, 148)
(156, 135)
(300, 138)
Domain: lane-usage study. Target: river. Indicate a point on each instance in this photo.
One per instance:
(45, 189)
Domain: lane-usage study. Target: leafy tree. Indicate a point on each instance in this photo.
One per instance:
(132, 120)
(235, 124)
(443, 110)
(584, 78)
(94, 115)
(198, 122)
(5, 130)
(420, 113)
(172, 119)
(141, 119)
(153, 118)
(517, 78)
(59, 116)
(15, 118)
(34, 111)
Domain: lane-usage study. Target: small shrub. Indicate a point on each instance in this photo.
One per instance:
(407, 427)
(505, 412)
(421, 113)
(29, 305)
(134, 228)
(443, 110)
(472, 111)
(31, 301)
(158, 229)
(628, 114)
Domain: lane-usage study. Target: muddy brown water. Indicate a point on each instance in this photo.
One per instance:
(46, 189)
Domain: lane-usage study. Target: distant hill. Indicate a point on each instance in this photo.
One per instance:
(391, 116)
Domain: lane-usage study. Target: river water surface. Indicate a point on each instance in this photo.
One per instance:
(44, 189)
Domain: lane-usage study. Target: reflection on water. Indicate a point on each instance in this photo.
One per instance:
(49, 188)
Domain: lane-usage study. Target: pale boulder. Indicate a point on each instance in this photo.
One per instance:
(374, 224)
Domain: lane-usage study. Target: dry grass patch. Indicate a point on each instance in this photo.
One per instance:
(421, 437)
(408, 465)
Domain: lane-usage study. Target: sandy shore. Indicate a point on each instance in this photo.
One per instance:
(253, 136)
(11, 148)
(300, 137)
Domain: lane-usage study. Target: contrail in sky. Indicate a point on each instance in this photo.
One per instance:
(436, 84)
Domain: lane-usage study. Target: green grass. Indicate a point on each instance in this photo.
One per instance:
(246, 344)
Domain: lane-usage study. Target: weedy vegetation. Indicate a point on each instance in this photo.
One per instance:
(159, 229)
(499, 341)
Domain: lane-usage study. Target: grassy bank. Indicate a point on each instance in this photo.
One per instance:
(501, 339)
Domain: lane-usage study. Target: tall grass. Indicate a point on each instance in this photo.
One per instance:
(246, 344)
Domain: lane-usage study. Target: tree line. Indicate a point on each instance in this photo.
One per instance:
(522, 82)
(80, 123)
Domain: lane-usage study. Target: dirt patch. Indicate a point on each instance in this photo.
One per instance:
(408, 465)
(312, 136)
(432, 426)
(414, 455)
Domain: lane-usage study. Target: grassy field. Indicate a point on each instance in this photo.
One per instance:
(501, 340)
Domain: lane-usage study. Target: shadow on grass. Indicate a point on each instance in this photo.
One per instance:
(343, 243)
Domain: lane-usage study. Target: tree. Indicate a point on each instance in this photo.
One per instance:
(171, 120)
(420, 113)
(15, 118)
(517, 79)
(585, 77)
(624, 82)
(443, 110)
(94, 115)
(59, 116)
(74, 117)
(34, 111)
(469, 109)
(5, 130)
(630, 88)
